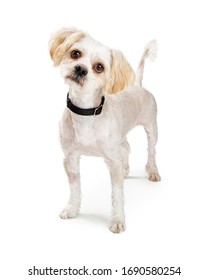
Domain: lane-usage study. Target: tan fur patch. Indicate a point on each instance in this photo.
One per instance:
(122, 73)
(61, 41)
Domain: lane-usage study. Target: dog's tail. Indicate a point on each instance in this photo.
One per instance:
(150, 51)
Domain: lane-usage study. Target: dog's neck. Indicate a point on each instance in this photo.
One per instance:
(85, 100)
(84, 127)
(85, 112)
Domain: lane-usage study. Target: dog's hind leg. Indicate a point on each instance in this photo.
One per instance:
(151, 167)
(71, 165)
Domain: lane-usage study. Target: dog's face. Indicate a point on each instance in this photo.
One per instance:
(87, 65)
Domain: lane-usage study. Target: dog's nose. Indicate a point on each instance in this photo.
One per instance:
(81, 70)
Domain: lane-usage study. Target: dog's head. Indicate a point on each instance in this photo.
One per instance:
(87, 64)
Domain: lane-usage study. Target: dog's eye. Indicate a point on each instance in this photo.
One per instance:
(99, 68)
(76, 54)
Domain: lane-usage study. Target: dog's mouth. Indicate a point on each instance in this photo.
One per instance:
(76, 78)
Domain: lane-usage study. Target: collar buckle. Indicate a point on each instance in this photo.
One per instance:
(99, 107)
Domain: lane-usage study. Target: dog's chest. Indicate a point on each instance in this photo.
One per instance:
(85, 135)
(88, 134)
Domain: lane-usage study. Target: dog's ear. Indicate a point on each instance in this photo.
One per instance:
(61, 41)
(121, 74)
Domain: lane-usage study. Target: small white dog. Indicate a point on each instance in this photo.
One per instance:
(95, 122)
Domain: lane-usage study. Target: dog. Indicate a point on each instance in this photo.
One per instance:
(105, 101)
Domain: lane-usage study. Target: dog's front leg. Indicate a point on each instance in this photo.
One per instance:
(71, 165)
(117, 177)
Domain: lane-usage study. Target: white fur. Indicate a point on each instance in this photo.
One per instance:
(150, 51)
(105, 134)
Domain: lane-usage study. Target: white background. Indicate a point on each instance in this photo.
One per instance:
(166, 221)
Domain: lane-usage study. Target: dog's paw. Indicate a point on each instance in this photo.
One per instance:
(153, 174)
(154, 177)
(117, 226)
(68, 213)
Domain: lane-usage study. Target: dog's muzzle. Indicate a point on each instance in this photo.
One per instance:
(78, 74)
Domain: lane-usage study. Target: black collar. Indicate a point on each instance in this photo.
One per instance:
(85, 112)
